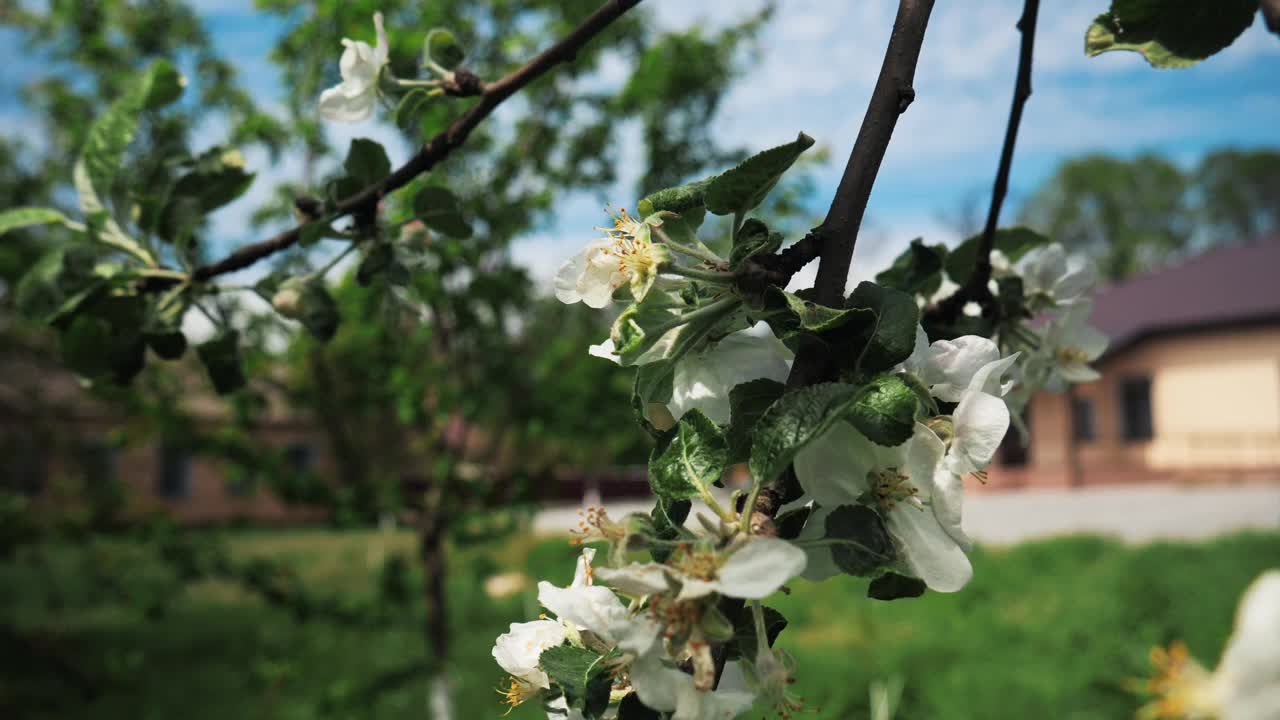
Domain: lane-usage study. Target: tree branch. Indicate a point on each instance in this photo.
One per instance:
(976, 288)
(892, 95)
(437, 148)
(835, 238)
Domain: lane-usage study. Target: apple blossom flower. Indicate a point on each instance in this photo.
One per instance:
(702, 380)
(918, 495)
(517, 652)
(950, 367)
(626, 256)
(1050, 273)
(1246, 683)
(754, 570)
(352, 100)
(583, 605)
(1067, 346)
(669, 690)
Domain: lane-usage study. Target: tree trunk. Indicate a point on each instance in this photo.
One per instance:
(436, 626)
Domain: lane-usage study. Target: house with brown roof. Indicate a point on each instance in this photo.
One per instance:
(1190, 387)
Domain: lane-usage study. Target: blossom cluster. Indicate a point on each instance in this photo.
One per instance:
(658, 627)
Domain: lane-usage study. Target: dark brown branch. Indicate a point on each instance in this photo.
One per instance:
(976, 288)
(836, 237)
(438, 147)
(892, 95)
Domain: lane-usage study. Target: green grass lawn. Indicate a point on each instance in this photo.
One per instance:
(1046, 630)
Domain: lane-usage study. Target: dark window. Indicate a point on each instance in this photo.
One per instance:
(1135, 409)
(299, 456)
(1083, 428)
(174, 481)
(1015, 448)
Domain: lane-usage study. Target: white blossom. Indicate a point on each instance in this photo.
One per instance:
(918, 494)
(1049, 272)
(669, 690)
(1067, 346)
(702, 380)
(517, 651)
(753, 570)
(950, 367)
(626, 256)
(587, 607)
(1246, 684)
(352, 100)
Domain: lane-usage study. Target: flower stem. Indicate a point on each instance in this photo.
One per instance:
(696, 252)
(749, 507)
(714, 309)
(710, 276)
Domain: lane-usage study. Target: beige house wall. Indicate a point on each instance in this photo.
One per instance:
(1215, 404)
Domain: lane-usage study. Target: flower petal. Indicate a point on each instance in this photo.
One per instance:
(981, 421)
(1250, 666)
(517, 651)
(834, 467)
(566, 282)
(636, 579)
(953, 363)
(592, 607)
(928, 552)
(819, 564)
(703, 380)
(759, 568)
(339, 104)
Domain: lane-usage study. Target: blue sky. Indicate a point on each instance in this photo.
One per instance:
(818, 63)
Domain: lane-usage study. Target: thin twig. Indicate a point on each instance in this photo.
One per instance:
(436, 149)
(975, 289)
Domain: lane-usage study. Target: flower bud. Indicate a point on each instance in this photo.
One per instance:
(288, 299)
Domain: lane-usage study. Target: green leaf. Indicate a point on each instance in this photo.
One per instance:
(653, 384)
(892, 337)
(217, 178)
(367, 162)
(819, 318)
(793, 421)
(742, 188)
(892, 586)
(582, 676)
(319, 311)
(442, 47)
(440, 210)
(885, 411)
(376, 260)
(679, 200)
(668, 517)
(743, 644)
(1169, 34)
(1013, 242)
(917, 271)
(163, 85)
(649, 330)
(168, 344)
(112, 131)
(689, 459)
(747, 403)
(312, 233)
(753, 239)
(99, 349)
(221, 358)
(865, 543)
(27, 216)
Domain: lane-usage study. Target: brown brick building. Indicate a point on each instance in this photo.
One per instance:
(1190, 387)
